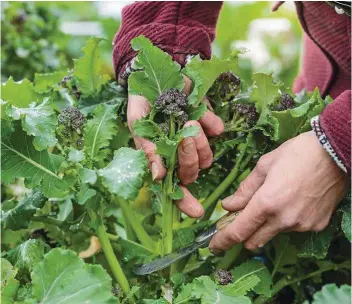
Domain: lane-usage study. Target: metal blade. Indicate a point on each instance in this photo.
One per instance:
(167, 260)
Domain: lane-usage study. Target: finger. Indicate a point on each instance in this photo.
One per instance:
(188, 85)
(189, 204)
(249, 186)
(263, 235)
(247, 222)
(212, 124)
(205, 155)
(188, 161)
(154, 160)
(137, 108)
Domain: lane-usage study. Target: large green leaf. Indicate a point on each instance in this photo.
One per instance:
(313, 244)
(285, 252)
(123, 176)
(19, 94)
(44, 82)
(20, 216)
(99, 131)
(203, 73)
(331, 294)
(87, 70)
(20, 159)
(62, 277)
(258, 269)
(159, 74)
(241, 287)
(209, 292)
(9, 284)
(39, 121)
(26, 255)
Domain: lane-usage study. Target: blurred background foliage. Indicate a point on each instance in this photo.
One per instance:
(45, 36)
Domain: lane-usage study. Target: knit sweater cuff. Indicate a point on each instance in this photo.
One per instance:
(319, 132)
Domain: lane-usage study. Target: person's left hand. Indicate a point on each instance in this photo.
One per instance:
(296, 187)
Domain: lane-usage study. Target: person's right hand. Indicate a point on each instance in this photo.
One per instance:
(194, 153)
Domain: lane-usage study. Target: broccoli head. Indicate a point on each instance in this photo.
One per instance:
(173, 103)
(246, 114)
(72, 118)
(223, 277)
(283, 102)
(225, 87)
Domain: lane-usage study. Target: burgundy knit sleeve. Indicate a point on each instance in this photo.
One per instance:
(335, 121)
(179, 28)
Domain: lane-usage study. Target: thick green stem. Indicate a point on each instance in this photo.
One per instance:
(136, 225)
(230, 257)
(285, 281)
(167, 205)
(112, 260)
(211, 200)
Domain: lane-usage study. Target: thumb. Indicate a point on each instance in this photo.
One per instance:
(249, 186)
(137, 108)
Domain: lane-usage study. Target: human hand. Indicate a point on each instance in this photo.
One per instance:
(296, 187)
(194, 153)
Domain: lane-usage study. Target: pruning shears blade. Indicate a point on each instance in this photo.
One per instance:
(167, 260)
(201, 241)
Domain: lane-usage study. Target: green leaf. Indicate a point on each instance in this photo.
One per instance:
(44, 82)
(76, 156)
(20, 159)
(346, 219)
(63, 277)
(20, 94)
(315, 244)
(188, 132)
(84, 194)
(196, 113)
(124, 174)
(241, 287)
(99, 131)
(26, 255)
(291, 122)
(39, 121)
(20, 216)
(177, 194)
(9, 285)
(134, 251)
(285, 252)
(203, 73)
(87, 176)
(331, 294)
(166, 148)
(87, 70)
(209, 293)
(159, 74)
(258, 269)
(146, 128)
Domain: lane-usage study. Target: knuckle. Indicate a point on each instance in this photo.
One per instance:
(288, 222)
(319, 226)
(268, 204)
(304, 226)
(148, 149)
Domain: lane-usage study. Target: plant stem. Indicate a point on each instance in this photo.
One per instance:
(285, 281)
(230, 256)
(136, 225)
(167, 204)
(212, 198)
(112, 260)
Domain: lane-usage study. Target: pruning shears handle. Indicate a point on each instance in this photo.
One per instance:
(217, 226)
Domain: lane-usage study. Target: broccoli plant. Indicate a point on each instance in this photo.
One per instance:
(80, 208)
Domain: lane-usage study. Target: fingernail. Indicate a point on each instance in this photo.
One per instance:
(216, 252)
(155, 171)
(227, 201)
(188, 146)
